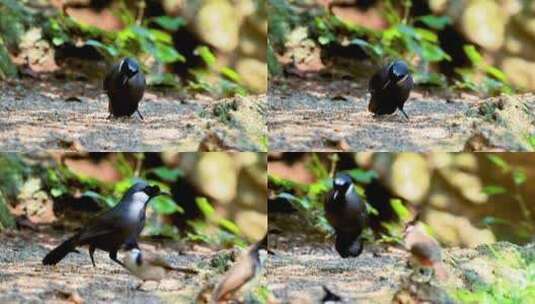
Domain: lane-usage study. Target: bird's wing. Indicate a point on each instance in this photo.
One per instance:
(108, 79)
(378, 80)
(105, 224)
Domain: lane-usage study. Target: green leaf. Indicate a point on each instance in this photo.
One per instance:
(531, 140)
(403, 213)
(169, 23)
(162, 79)
(142, 32)
(108, 201)
(206, 55)
(473, 54)
(167, 54)
(57, 41)
(519, 176)
(435, 22)
(168, 175)
(324, 40)
(362, 176)
(165, 205)
(230, 74)
(110, 50)
(389, 35)
(496, 73)
(370, 49)
(298, 203)
(499, 162)
(494, 189)
(56, 192)
(429, 78)
(229, 226)
(433, 53)
(205, 206)
(427, 35)
(123, 185)
(160, 36)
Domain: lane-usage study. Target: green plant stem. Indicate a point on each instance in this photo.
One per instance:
(334, 161)
(525, 210)
(407, 4)
(141, 11)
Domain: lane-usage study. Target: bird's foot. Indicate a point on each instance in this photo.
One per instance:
(404, 114)
(140, 116)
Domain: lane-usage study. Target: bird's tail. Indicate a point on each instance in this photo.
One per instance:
(348, 244)
(58, 253)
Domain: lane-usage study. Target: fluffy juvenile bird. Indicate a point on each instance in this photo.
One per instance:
(125, 85)
(426, 253)
(390, 87)
(150, 267)
(346, 213)
(119, 226)
(240, 273)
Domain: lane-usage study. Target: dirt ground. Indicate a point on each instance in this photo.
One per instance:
(23, 279)
(304, 261)
(41, 114)
(321, 114)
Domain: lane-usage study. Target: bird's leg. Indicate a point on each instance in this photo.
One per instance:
(140, 116)
(113, 257)
(405, 114)
(91, 251)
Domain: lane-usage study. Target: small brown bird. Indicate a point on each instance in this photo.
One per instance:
(240, 273)
(148, 267)
(426, 253)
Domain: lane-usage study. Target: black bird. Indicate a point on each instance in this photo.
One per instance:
(346, 213)
(124, 85)
(390, 88)
(119, 226)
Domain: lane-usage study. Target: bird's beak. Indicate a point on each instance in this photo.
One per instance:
(402, 79)
(125, 79)
(386, 84)
(165, 193)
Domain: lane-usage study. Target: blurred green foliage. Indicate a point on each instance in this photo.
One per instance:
(202, 230)
(59, 181)
(525, 228)
(13, 22)
(404, 38)
(150, 40)
(519, 288)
